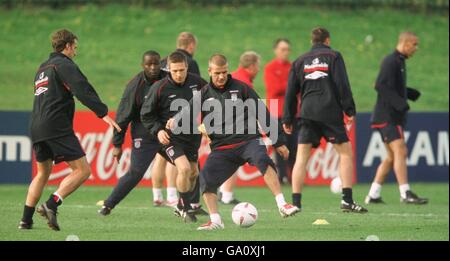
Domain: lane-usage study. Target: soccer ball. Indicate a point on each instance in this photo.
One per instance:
(336, 185)
(244, 214)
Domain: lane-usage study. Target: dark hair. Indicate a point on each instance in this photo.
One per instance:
(176, 57)
(279, 40)
(319, 35)
(151, 53)
(62, 37)
(218, 59)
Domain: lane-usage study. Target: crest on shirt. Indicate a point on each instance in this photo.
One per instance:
(137, 143)
(234, 95)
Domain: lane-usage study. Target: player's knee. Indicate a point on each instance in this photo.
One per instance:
(389, 159)
(402, 152)
(185, 171)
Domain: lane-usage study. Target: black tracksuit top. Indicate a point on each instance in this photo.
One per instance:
(392, 91)
(320, 77)
(56, 82)
(156, 111)
(129, 110)
(232, 91)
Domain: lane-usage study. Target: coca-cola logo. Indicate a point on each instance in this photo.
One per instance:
(98, 149)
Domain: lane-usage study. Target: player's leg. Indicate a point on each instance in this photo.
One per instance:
(346, 174)
(80, 172)
(158, 173)
(219, 166)
(309, 136)
(35, 189)
(141, 159)
(255, 153)
(400, 152)
(299, 173)
(171, 178)
(183, 182)
(383, 170)
(226, 191)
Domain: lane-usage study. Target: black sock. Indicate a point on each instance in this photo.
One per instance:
(28, 214)
(186, 200)
(53, 202)
(347, 195)
(195, 194)
(297, 199)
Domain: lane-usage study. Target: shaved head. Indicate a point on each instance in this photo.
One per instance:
(408, 43)
(406, 37)
(218, 60)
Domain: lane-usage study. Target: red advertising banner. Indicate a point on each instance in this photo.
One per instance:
(95, 137)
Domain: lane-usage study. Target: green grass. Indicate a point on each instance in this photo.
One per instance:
(136, 219)
(112, 39)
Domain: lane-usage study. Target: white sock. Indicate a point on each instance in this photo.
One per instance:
(375, 190)
(195, 205)
(157, 194)
(227, 197)
(280, 200)
(215, 218)
(172, 194)
(403, 188)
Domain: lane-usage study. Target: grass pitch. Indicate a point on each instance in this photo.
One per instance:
(136, 219)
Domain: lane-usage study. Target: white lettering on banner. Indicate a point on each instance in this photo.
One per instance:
(422, 148)
(325, 162)
(442, 151)
(12, 142)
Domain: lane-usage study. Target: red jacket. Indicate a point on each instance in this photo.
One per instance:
(276, 75)
(242, 75)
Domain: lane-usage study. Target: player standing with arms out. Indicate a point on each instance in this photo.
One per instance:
(276, 74)
(320, 77)
(180, 150)
(230, 150)
(249, 64)
(56, 82)
(144, 146)
(389, 118)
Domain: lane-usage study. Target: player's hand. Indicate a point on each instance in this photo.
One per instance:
(117, 153)
(283, 151)
(287, 128)
(111, 122)
(170, 124)
(163, 137)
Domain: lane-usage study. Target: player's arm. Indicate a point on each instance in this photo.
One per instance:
(149, 111)
(195, 69)
(340, 78)
(75, 81)
(290, 99)
(385, 86)
(281, 140)
(124, 114)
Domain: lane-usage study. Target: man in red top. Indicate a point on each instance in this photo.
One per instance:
(248, 69)
(276, 74)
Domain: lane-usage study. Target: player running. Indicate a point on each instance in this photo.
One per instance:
(56, 82)
(144, 146)
(320, 77)
(230, 150)
(180, 150)
(389, 118)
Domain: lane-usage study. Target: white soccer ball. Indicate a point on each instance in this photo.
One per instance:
(336, 185)
(244, 214)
